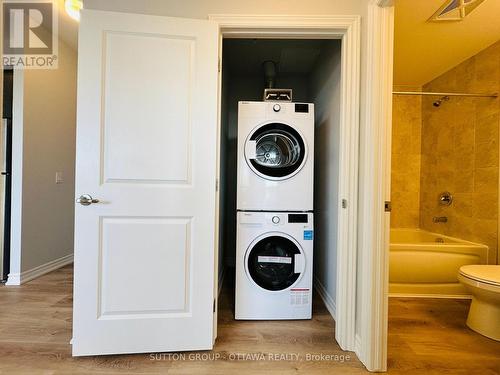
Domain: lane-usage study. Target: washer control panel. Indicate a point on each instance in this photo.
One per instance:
(287, 218)
(302, 219)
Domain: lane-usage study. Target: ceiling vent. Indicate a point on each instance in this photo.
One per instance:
(455, 10)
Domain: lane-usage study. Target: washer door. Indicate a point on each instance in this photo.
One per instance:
(274, 262)
(275, 151)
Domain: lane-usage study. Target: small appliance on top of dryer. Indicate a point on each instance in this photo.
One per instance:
(275, 156)
(274, 265)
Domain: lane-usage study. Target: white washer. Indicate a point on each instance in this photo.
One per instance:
(275, 156)
(274, 264)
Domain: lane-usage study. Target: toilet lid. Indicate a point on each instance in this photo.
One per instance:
(484, 273)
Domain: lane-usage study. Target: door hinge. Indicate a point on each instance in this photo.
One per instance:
(344, 203)
(387, 206)
(218, 65)
(217, 184)
(214, 306)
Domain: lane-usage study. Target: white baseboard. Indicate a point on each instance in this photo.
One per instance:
(25, 276)
(222, 275)
(444, 296)
(326, 297)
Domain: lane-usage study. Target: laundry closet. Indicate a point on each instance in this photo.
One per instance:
(276, 282)
(156, 176)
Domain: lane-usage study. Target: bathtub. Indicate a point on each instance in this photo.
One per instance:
(426, 264)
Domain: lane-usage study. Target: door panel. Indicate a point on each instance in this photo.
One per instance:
(168, 244)
(146, 149)
(157, 82)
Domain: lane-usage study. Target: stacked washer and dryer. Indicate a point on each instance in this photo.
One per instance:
(274, 255)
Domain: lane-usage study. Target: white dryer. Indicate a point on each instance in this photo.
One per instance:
(274, 264)
(275, 156)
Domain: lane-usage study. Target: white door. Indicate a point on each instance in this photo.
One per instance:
(146, 150)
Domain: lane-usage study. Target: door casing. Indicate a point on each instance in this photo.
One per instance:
(346, 28)
(362, 283)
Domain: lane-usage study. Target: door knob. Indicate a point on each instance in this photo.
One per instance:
(86, 200)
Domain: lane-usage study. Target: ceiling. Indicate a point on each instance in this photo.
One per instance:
(424, 50)
(293, 56)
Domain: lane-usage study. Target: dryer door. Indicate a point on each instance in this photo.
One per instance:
(274, 262)
(275, 151)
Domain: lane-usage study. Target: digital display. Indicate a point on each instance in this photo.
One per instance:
(297, 218)
(304, 108)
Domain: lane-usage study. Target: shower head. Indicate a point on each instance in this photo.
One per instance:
(438, 102)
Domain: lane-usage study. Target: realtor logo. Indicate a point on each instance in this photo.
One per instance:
(30, 34)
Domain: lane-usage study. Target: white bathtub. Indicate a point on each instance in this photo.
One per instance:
(426, 264)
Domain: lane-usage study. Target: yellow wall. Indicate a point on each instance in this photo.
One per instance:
(460, 152)
(454, 148)
(406, 158)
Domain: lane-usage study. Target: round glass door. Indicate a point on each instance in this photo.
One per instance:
(279, 151)
(271, 263)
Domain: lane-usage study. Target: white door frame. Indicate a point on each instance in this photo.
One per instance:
(362, 284)
(346, 28)
(374, 224)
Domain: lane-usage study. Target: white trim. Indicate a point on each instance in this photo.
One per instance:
(333, 27)
(217, 242)
(326, 297)
(25, 276)
(284, 26)
(439, 296)
(345, 327)
(375, 223)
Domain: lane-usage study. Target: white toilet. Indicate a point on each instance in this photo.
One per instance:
(483, 282)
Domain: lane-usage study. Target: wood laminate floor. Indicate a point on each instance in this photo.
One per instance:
(425, 337)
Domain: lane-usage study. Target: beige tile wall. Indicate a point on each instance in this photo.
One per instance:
(406, 157)
(460, 152)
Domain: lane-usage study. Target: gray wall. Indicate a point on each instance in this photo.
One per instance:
(325, 94)
(48, 146)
